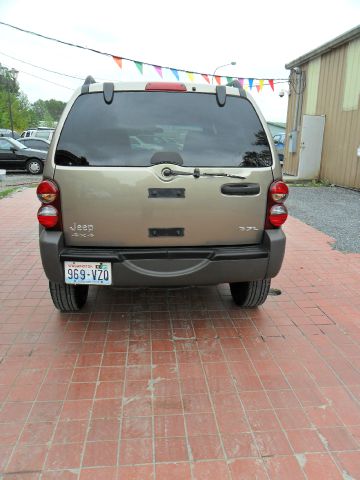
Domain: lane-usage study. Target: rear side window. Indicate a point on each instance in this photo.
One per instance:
(35, 144)
(138, 125)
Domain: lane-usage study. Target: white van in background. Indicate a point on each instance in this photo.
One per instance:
(41, 132)
(28, 133)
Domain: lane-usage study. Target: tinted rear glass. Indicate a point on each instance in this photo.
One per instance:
(138, 125)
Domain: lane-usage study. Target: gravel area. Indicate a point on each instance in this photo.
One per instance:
(20, 179)
(333, 210)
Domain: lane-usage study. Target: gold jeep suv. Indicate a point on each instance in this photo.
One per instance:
(161, 185)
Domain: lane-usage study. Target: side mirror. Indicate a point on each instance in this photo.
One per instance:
(276, 142)
(14, 149)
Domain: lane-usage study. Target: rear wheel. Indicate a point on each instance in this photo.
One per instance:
(68, 298)
(34, 166)
(250, 294)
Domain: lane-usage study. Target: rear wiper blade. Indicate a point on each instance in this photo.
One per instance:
(168, 172)
(220, 174)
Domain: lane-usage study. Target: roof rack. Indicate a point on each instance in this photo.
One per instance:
(88, 81)
(237, 84)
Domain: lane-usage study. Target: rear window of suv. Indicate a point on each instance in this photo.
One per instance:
(138, 125)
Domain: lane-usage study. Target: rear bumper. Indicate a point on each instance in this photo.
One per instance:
(165, 267)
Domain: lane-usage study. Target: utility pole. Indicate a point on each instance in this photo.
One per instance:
(9, 75)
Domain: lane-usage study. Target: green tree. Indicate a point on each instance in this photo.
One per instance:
(7, 82)
(21, 111)
(24, 114)
(11, 96)
(40, 112)
(55, 108)
(48, 111)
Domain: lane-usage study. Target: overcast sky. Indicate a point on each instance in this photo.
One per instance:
(260, 36)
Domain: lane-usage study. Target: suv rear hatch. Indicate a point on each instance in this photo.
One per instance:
(160, 168)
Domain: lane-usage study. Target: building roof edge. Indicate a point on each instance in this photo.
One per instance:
(325, 48)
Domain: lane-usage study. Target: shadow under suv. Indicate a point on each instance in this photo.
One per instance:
(206, 208)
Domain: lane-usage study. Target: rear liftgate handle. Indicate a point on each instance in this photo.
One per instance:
(240, 189)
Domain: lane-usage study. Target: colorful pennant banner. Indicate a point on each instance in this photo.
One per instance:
(140, 66)
(118, 61)
(247, 83)
(260, 86)
(176, 73)
(206, 77)
(159, 70)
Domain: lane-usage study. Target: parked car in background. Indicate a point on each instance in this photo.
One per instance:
(35, 143)
(6, 132)
(28, 133)
(15, 156)
(45, 133)
(279, 141)
(40, 132)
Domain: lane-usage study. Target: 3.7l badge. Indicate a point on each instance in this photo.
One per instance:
(248, 229)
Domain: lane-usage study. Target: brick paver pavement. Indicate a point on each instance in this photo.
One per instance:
(180, 384)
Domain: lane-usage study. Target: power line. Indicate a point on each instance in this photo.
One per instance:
(44, 79)
(43, 68)
(109, 54)
(60, 41)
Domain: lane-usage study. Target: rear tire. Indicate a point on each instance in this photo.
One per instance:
(68, 298)
(250, 294)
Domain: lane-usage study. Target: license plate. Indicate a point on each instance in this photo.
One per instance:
(87, 273)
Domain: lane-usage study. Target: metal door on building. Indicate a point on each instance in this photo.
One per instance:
(311, 142)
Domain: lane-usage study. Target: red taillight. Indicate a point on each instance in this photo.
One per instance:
(279, 192)
(48, 216)
(278, 215)
(165, 86)
(276, 212)
(47, 191)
